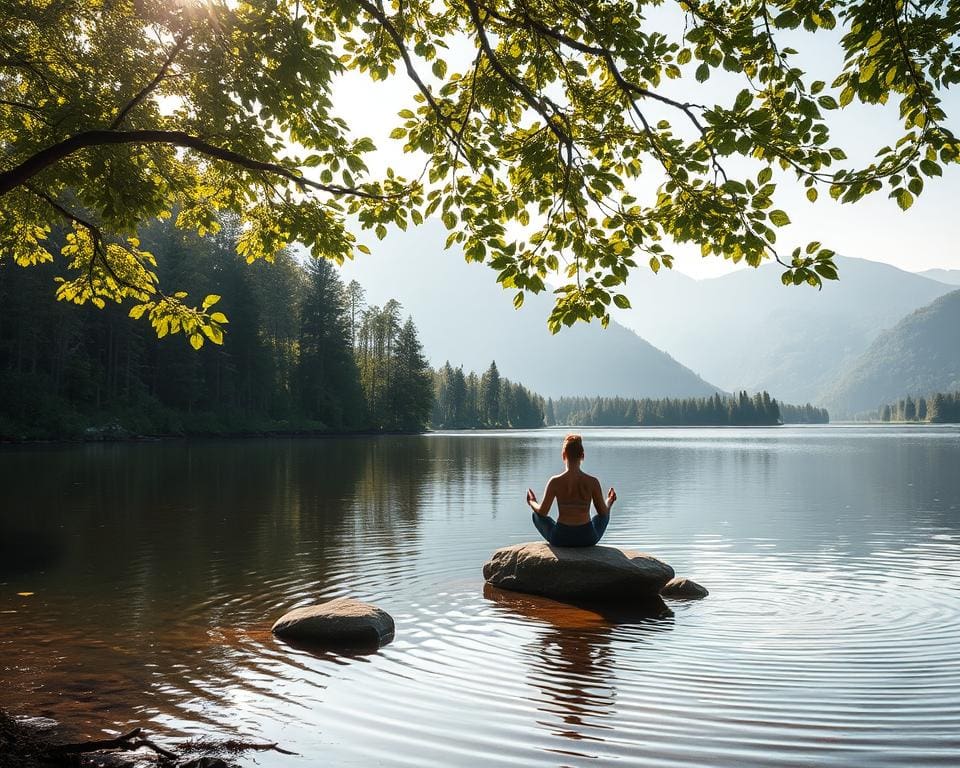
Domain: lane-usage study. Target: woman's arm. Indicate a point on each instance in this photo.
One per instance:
(542, 508)
(603, 506)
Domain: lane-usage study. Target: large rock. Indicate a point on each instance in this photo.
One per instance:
(683, 587)
(340, 623)
(602, 574)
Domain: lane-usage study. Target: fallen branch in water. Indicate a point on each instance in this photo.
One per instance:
(230, 747)
(131, 741)
(23, 745)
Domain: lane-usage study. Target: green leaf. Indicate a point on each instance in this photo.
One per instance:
(621, 301)
(779, 218)
(827, 271)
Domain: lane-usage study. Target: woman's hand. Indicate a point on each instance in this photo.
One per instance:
(531, 497)
(611, 497)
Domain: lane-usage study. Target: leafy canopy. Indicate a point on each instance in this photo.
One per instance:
(113, 112)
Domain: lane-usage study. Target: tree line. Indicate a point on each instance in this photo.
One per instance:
(717, 410)
(464, 401)
(938, 408)
(803, 414)
(301, 352)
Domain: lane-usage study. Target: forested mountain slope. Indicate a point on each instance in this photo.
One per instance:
(918, 356)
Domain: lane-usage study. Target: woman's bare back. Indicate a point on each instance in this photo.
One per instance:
(574, 490)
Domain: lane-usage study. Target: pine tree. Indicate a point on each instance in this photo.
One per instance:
(937, 410)
(410, 391)
(490, 396)
(329, 380)
(909, 409)
(355, 305)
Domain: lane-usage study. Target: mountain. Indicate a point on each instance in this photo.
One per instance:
(949, 276)
(745, 330)
(464, 316)
(918, 356)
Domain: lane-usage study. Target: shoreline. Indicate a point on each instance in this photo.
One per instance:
(106, 436)
(245, 434)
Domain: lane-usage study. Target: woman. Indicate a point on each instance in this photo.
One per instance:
(573, 490)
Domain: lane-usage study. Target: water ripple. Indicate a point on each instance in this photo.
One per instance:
(830, 636)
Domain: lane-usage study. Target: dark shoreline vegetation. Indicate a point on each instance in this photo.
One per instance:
(303, 355)
(24, 743)
(937, 408)
(717, 410)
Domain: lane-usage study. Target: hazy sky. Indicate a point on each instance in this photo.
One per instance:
(922, 238)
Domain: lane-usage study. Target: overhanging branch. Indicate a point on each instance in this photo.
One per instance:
(45, 158)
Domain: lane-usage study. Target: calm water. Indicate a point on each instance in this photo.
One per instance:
(831, 635)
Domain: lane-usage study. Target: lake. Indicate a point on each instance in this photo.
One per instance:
(831, 636)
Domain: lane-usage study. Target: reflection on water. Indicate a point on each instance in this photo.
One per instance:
(830, 636)
(573, 660)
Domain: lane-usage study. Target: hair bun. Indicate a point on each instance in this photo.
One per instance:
(573, 446)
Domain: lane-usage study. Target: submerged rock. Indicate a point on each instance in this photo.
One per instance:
(340, 623)
(682, 587)
(602, 574)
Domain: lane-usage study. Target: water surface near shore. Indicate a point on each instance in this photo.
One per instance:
(831, 635)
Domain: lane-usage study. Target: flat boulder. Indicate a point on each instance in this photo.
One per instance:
(600, 574)
(683, 587)
(339, 623)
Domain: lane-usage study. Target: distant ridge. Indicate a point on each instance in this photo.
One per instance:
(950, 276)
(745, 330)
(918, 356)
(465, 317)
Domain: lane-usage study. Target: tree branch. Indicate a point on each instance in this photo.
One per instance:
(96, 237)
(43, 159)
(149, 87)
(375, 10)
(537, 104)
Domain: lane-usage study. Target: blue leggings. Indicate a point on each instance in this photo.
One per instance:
(561, 535)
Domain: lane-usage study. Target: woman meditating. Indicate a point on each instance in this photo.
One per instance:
(573, 491)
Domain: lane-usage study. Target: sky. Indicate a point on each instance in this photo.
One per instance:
(924, 237)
